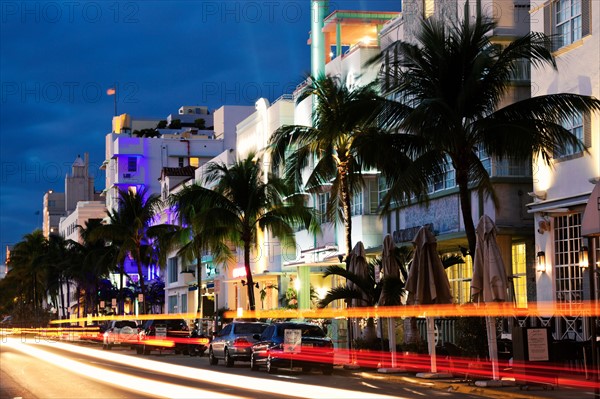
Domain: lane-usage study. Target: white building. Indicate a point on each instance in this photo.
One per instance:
(562, 190)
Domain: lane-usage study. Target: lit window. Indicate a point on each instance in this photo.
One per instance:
(195, 162)
(460, 276)
(519, 274)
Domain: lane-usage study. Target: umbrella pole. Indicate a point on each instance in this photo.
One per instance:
(492, 345)
(431, 343)
(392, 340)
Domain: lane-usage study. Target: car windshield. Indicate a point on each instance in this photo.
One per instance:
(249, 328)
(125, 323)
(307, 330)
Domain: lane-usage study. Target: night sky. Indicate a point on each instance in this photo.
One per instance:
(57, 59)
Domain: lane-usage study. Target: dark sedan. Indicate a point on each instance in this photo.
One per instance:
(291, 344)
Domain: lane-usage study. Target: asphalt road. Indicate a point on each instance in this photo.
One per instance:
(61, 370)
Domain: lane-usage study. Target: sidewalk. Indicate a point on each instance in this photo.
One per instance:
(458, 385)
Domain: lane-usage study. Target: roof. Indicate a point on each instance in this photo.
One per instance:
(186, 171)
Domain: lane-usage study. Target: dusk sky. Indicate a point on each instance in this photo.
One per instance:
(57, 59)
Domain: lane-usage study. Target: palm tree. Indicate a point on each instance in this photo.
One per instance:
(196, 235)
(366, 289)
(447, 88)
(341, 114)
(30, 271)
(243, 203)
(128, 228)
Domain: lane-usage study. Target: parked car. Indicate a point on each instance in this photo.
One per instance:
(234, 342)
(306, 346)
(120, 332)
(164, 334)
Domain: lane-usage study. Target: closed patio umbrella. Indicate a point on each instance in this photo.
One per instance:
(391, 270)
(427, 282)
(489, 281)
(357, 264)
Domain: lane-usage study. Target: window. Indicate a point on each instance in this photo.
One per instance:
(323, 198)
(181, 163)
(373, 196)
(131, 164)
(172, 303)
(356, 204)
(519, 275)
(580, 126)
(194, 161)
(184, 303)
(567, 21)
(460, 276)
(567, 243)
(172, 270)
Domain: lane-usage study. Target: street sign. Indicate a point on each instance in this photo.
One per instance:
(292, 340)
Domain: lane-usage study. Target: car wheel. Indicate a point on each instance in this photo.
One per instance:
(212, 360)
(327, 370)
(270, 368)
(253, 365)
(228, 359)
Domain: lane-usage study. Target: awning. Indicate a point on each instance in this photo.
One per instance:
(558, 204)
(590, 223)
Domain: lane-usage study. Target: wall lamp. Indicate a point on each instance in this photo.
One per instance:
(244, 283)
(541, 262)
(583, 257)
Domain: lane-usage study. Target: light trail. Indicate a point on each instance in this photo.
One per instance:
(124, 381)
(280, 388)
(497, 309)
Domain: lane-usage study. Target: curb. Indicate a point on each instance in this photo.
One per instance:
(456, 386)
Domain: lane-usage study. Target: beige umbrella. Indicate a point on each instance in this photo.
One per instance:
(356, 264)
(390, 269)
(489, 281)
(427, 282)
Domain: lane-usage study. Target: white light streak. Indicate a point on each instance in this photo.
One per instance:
(214, 377)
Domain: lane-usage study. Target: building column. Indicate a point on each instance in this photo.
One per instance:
(304, 291)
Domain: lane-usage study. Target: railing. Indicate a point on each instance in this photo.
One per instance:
(446, 331)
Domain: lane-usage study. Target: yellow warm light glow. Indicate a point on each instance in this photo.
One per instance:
(542, 175)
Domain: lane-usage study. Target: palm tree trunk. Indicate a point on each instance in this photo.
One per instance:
(62, 298)
(250, 282)
(141, 274)
(121, 299)
(199, 282)
(346, 201)
(462, 179)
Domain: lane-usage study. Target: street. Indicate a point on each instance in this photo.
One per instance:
(31, 369)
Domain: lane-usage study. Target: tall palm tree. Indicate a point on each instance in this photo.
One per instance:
(128, 227)
(95, 261)
(341, 114)
(196, 235)
(29, 268)
(447, 89)
(244, 203)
